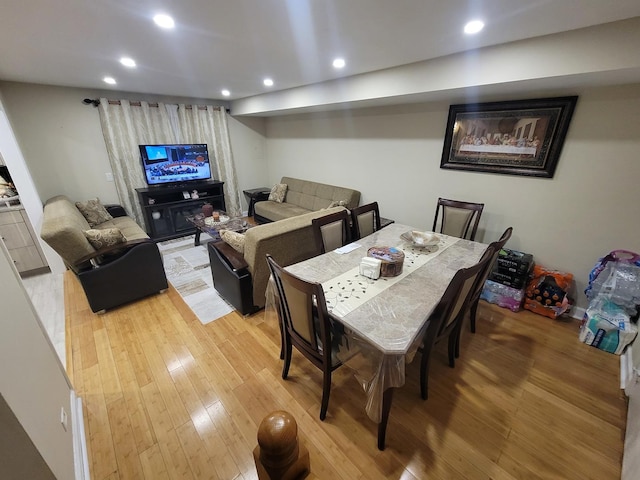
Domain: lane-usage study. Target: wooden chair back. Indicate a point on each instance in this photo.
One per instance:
(458, 219)
(482, 277)
(331, 231)
(365, 220)
(305, 325)
(447, 317)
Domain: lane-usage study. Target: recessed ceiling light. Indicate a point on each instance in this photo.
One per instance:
(268, 82)
(339, 63)
(225, 92)
(164, 21)
(473, 26)
(109, 80)
(128, 62)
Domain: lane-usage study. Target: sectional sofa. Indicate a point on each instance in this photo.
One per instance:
(241, 278)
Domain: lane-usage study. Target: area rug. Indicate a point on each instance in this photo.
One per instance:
(187, 268)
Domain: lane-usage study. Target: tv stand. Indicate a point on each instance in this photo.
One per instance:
(165, 207)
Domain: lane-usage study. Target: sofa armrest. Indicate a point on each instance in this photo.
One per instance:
(139, 272)
(116, 210)
(231, 277)
(234, 258)
(108, 250)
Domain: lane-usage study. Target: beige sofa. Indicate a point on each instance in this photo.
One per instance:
(110, 276)
(242, 278)
(304, 196)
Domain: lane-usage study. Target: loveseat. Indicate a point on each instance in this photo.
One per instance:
(304, 196)
(241, 278)
(111, 275)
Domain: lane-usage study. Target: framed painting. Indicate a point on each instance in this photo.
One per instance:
(521, 137)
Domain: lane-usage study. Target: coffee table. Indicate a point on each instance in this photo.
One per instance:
(206, 225)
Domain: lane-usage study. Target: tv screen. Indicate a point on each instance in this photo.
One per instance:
(175, 163)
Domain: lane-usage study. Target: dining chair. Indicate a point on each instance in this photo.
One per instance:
(482, 277)
(458, 219)
(305, 324)
(446, 318)
(331, 231)
(365, 220)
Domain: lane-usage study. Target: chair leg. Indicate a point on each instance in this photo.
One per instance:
(282, 341)
(472, 315)
(452, 347)
(326, 391)
(424, 374)
(287, 359)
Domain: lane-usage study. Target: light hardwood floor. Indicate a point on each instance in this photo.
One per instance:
(166, 397)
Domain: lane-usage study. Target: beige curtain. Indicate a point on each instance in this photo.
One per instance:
(125, 125)
(209, 125)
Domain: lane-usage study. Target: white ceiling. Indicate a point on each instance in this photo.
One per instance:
(234, 44)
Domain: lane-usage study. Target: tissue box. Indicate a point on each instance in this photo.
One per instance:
(370, 267)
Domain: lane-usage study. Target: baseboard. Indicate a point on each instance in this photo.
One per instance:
(80, 457)
(627, 373)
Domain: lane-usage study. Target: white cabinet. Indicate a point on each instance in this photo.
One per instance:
(21, 240)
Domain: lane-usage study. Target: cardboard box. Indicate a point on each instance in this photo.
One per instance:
(515, 280)
(512, 261)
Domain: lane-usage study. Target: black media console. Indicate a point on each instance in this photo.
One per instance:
(165, 208)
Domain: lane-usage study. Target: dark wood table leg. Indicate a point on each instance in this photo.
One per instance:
(387, 397)
(196, 241)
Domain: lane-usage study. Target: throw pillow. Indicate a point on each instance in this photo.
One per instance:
(278, 192)
(106, 237)
(94, 212)
(338, 203)
(234, 239)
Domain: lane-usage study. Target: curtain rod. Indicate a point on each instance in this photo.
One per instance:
(96, 101)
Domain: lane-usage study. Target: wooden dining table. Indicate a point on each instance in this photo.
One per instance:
(384, 319)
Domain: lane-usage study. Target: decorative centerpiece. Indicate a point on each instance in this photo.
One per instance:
(391, 260)
(207, 209)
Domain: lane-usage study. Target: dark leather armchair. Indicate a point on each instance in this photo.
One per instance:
(110, 276)
(135, 273)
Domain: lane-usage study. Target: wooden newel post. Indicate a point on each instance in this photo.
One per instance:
(278, 455)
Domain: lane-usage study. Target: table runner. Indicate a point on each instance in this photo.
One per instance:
(350, 290)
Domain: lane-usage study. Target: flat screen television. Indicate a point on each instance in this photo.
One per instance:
(175, 164)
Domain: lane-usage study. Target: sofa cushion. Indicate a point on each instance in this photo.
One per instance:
(94, 211)
(279, 211)
(129, 228)
(106, 237)
(278, 193)
(315, 196)
(62, 227)
(234, 239)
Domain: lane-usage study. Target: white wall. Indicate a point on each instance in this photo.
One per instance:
(392, 155)
(248, 145)
(32, 379)
(21, 176)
